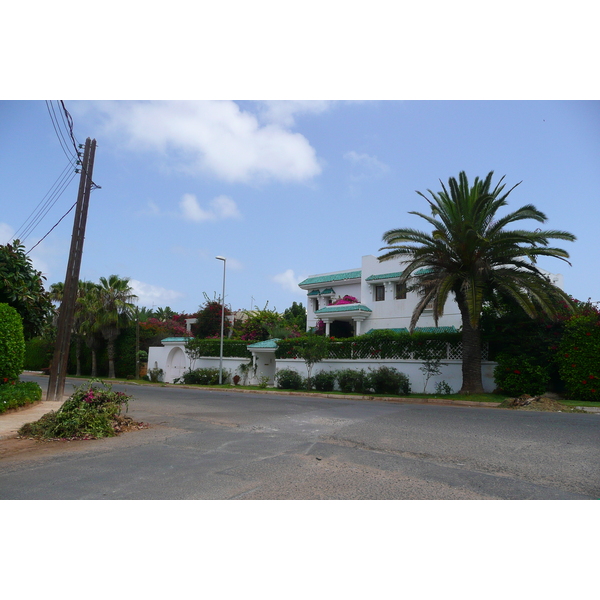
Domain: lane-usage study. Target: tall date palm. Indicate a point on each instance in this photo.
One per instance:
(471, 253)
(115, 309)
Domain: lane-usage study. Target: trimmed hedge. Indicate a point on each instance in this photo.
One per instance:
(382, 344)
(579, 357)
(12, 344)
(197, 348)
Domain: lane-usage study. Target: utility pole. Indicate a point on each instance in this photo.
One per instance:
(58, 371)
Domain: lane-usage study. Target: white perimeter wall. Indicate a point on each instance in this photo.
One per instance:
(169, 358)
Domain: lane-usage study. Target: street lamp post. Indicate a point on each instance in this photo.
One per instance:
(222, 320)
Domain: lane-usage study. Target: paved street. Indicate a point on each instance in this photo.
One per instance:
(228, 445)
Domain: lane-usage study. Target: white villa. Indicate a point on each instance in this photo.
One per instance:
(383, 303)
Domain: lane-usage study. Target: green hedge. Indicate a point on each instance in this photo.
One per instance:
(578, 357)
(12, 344)
(384, 345)
(197, 347)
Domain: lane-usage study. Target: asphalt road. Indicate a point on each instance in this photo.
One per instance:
(229, 445)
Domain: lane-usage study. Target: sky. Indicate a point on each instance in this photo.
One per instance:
(282, 189)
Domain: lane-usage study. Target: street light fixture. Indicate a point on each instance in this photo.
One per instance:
(222, 320)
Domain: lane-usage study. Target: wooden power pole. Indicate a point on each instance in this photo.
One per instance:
(58, 371)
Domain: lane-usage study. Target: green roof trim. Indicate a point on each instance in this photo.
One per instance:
(175, 339)
(327, 291)
(343, 308)
(265, 344)
(332, 277)
(314, 293)
(384, 276)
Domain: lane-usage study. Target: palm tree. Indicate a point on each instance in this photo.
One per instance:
(164, 314)
(79, 315)
(471, 254)
(89, 306)
(114, 310)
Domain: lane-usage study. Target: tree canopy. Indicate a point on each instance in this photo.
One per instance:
(21, 287)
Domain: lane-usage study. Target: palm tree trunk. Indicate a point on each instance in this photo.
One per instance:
(471, 350)
(94, 364)
(111, 358)
(78, 355)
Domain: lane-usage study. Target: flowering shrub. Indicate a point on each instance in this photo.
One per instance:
(516, 375)
(91, 412)
(578, 357)
(345, 300)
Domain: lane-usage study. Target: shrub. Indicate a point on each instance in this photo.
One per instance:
(19, 393)
(579, 357)
(351, 380)
(38, 353)
(90, 412)
(288, 379)
(12, 344)
(517, 375)
(442, 388)
(324, 381)
(207, 376)
(155, 375)
(388, 380)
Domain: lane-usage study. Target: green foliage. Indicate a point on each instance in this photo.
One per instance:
(388, 380)
(289, 379)
(18, 393)
(12, 344)
(21, 286)
(89, 413)
(38, 353)
(578, 357)
(380, 344)
(259, 324)
(155, 375)
(208, 376)
(197, 348)
(516, 375)
(353, 380)
(295, 316)
(430, 368)
(324, 381)
(442, 388)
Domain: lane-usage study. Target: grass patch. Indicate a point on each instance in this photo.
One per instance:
(18, 394)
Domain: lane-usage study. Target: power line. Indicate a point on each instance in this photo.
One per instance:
(45, 204)
(55, 225)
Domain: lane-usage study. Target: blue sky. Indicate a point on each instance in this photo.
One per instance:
(285, 189)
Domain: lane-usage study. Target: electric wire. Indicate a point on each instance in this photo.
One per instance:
(44, 205)
(67, 121)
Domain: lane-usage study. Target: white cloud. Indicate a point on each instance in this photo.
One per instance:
(283, 112)
(152, 295)
(289, 282)
(366, 166)
(221, 207)
(210, 136)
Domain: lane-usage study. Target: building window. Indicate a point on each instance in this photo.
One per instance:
(379, 293)
(316, 304)
(400, 291)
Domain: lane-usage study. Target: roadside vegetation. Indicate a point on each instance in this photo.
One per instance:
(93, 411)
